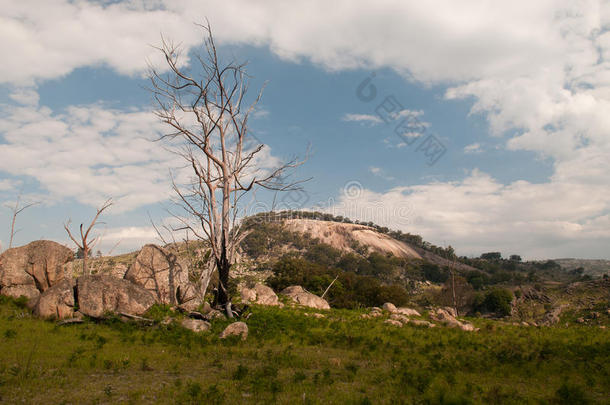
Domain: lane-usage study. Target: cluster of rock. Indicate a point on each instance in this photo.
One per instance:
(402, 316)
(448, 317)
(262, 295)
(38, 272)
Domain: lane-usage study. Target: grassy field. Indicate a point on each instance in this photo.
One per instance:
(293, 358)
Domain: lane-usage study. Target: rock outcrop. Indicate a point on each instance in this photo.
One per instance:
(391, 308)
(159, 271)
(98, 295)
(445, 316)
(31, 269)
(305, 298)
(259, 294)
(57, 302)
(235, 329)
(196, 325)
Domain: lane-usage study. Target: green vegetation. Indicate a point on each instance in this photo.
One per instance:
(292, 358)
(348, 291)
(497, 301)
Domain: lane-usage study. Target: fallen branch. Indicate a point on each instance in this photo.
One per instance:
(136, 317)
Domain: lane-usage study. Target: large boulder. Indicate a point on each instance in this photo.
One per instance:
(98, 295)
(259, 294)
(31, 269)
(305, 298)
(58, 301)
(445, 316)
(162, 273)
(235, 329)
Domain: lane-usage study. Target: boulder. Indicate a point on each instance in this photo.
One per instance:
(196, 325)
(400, 318)
(407, 311)
(98, 295)
(31, 269)
(57, 302)
(388, 306)
(305, 298)
(443, 315)
(235, 329)
(393, 322)
(162, 273)
(259, 294)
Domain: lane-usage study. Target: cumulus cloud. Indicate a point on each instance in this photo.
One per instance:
(478, 214)
(90, 153)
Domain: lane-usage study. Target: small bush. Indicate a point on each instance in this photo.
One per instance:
(498, 300)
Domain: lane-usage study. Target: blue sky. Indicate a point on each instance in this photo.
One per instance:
(516, 96)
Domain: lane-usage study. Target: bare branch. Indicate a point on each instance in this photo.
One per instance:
(85, 243)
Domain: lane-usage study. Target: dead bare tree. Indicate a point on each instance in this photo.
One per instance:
(208, 120)
(86, 244)
(16, 210)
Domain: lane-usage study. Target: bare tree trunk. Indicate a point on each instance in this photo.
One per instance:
(217, 150)
(85, 255)
(455, 306)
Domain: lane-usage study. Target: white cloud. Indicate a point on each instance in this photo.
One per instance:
(126, 239)
(87, 153)
(90, 153)
(7, 185)
(478, 214)
(365, 118)
(25, 96)
(473, 148)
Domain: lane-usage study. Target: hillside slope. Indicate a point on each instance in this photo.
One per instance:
(592, 267)
(342, 236)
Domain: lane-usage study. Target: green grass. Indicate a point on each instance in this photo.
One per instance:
(292, 358)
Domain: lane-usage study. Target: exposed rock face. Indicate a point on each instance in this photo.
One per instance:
(98, 295)
(196, 325)
(447, 318)
(391, 308)
(302, 297)
(31, 269)
(57, 302)
(160, 272)
(235, 329)
(552, 317)
(259, 294)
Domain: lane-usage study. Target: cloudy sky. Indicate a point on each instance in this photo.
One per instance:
(477, 125)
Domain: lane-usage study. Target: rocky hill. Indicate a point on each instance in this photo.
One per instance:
(347, 237)
(592, 267)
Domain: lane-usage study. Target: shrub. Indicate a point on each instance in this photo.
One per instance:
(498, 300)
